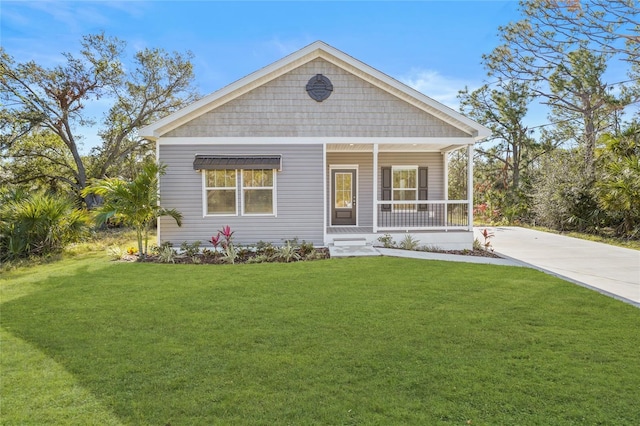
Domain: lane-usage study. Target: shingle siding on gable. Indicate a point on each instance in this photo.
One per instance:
(282, 107)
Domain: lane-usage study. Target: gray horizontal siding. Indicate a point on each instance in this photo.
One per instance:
(299, 196)
(282, 107)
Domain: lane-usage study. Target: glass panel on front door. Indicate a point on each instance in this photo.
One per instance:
(343, 195)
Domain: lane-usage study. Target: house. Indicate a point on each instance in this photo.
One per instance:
(316, 146)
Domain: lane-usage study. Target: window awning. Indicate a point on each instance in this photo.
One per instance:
(245, 162)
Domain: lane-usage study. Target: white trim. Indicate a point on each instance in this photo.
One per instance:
(159, 198)
(375, 188)
(445, 167)
(205, 189)
(470, 185)
(325, 205)
(203, 175)
(313, 51)
(393, 189)
(345, 167)
(310, 140)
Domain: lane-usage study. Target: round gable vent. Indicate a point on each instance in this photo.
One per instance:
(319, 87)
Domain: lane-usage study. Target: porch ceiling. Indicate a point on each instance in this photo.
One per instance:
(404, 147)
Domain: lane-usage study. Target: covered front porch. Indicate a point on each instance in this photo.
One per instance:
(397, 188)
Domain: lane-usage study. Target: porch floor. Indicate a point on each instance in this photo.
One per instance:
(333, 230)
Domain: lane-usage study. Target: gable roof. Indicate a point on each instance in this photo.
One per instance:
(313, 51)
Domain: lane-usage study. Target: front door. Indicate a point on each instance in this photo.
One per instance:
(343, 197)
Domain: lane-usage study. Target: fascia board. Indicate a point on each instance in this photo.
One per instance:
(314, 140)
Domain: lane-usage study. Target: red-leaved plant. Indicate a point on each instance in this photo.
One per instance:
(487, 237)
(224, 239)
(227, 234)
(215, 240)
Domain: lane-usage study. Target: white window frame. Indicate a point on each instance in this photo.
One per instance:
(405, 208)
(205, 199)
(273, 191)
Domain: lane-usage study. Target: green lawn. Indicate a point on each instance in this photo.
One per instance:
(344, 341)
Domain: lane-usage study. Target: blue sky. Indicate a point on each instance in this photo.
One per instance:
(434, 46)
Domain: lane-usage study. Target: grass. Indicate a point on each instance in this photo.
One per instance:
(345, 341)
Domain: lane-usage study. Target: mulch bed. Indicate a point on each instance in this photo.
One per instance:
(475, 252)
(245, 256)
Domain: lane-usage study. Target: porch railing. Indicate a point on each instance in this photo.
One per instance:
(423, 215)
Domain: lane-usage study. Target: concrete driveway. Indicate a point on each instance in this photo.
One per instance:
(611, 270)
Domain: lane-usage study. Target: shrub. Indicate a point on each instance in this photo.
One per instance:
(306, 249)
(190, 250)
(409, 243)
(116, 252)
(167, 254)
(266, 249)
(38, 224)
(229, 254)
(563, 197)
(387, 241)
(288, 253)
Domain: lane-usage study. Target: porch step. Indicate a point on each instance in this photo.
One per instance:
(349, 242)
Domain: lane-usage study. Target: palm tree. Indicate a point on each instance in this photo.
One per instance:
(37, 224)
(619, 186)
(134, 203)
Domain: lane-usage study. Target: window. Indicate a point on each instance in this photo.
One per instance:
(256, 189)
(257, 192)
(404, 187)
(220, 189)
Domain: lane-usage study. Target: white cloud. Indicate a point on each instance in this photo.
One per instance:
(441, 88)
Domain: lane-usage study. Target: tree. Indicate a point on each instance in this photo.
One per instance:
(618, 186)
(562, 196)
(134, 203)
(551, 28)
(561, 49)
(53, 100)
(158, 86)
(52, 168)
(580, 102)
(610, 26)
(457, 179)
(503, 110)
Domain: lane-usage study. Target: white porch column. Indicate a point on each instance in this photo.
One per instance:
(445, 167)
(470, 184)
(375, 188)
(325, 221)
